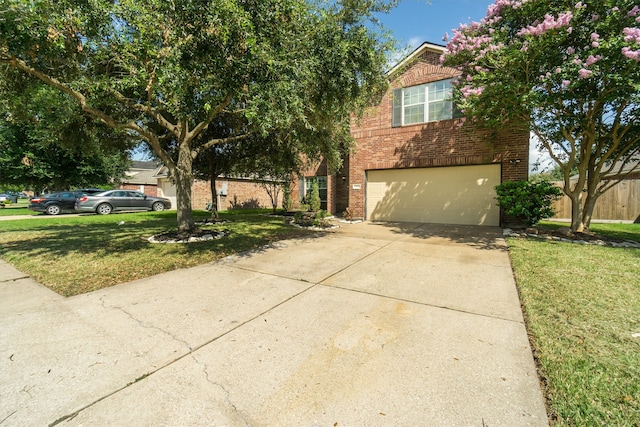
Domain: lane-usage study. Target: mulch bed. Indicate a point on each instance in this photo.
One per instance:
(195, 236)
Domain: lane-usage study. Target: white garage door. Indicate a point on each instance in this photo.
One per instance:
(445, 195)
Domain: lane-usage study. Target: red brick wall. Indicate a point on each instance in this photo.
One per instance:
(149, 190)
(444, 143)
(238, 192)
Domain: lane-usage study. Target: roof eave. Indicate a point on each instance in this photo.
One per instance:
(417, 52)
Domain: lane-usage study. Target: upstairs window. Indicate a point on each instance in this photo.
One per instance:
(429, 102)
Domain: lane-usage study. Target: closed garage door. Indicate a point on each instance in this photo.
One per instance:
(446, 195)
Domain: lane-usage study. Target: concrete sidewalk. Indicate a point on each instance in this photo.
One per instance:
(372, 325)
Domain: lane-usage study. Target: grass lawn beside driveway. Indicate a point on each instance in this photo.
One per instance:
(582, 310)
(20, 208)
(74, 255)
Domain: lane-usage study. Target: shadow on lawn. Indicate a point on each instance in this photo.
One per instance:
(104, 236)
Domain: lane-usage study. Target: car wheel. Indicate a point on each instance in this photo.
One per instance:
(104, 209)
(157, 206)
(53, 209)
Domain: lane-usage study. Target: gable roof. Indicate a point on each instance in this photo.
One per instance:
(141, 172)
(426, 46)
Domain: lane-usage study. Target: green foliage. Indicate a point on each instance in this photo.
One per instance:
(313, 197)
(168, 71)
(28, 159)
(528, 201)
(287, 200)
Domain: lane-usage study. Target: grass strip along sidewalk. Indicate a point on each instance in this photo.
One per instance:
(582, 309)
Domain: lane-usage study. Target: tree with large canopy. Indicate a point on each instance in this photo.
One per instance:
(166, 69)
(47, 144)
(570, 69)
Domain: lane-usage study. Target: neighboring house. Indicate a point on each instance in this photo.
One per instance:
(141, 176)
(620, 203)
(414, 162)
(232, 193)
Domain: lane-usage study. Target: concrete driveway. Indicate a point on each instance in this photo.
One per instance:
(371, 325)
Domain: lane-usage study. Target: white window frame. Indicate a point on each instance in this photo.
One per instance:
(323, 184)
(399, 107)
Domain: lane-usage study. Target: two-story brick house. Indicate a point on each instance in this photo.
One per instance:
(414, 161)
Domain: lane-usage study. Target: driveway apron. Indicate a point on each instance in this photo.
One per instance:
(369, 325)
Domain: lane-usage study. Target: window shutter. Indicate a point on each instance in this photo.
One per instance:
(397, 108)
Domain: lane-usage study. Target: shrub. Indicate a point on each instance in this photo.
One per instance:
(287, 201)
(527, 201)
(313, 198)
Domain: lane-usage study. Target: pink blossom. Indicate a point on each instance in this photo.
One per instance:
(584, 73)
(468, 91)
(594, 17)
(635, 11)
(615, 9)
(445, 37)
(571, 50)
(592, 60)
(558, 70)
(549, 23)
(577, 61)
(631, 54)
(566, 83)
(631, 34)
(578, 5)
(595, 44)
(595, 37)
(499, 5)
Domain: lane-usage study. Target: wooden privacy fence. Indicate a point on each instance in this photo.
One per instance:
(621, 203)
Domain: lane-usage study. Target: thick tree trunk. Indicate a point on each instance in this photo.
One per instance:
(576, 210)
(184, 181)
(214, 196)
(589, 206)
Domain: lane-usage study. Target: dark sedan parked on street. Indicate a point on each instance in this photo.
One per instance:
(55, 203)
(120, 200)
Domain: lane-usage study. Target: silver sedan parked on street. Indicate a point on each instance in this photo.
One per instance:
(120, 200)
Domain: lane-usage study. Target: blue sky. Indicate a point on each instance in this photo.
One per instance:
(416, 21)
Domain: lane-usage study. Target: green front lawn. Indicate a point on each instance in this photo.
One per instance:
(582, 309)
(74, 255)
(19, 208)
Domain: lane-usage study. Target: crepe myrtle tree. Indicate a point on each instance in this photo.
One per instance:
(165, 70)
(569, 68)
